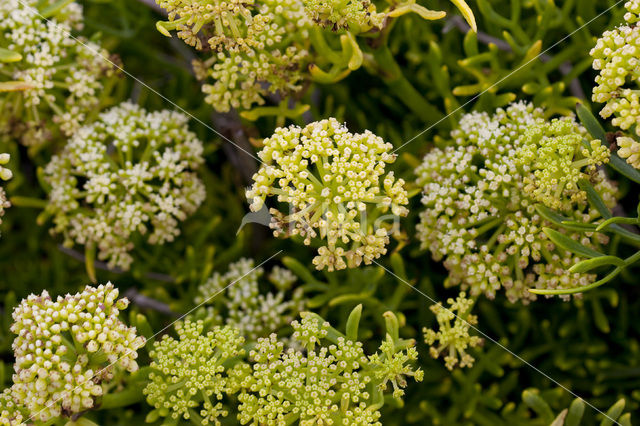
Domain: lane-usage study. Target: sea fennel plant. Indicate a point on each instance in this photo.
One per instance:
(50, 81)
(320, 376)
(130, 173)
(487, 194)
(616, 56)
(335, 188)
(66, 350)
(266, 52)
(235, 299)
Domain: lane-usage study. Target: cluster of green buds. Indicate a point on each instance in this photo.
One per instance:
(11, 414)
(453, 340)
(333, 383)
(50, 82)
(235, 299)
(258, 46)
(617, 56)
(129, 173)
(554, 159)
(487, 193)
(354, 15)
(336, 189)
(5, 174)
(189, 375)
(68, 348)
(359, 16)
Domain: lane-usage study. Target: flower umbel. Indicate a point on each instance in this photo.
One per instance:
(54, 82)
(481, 191)
(189, 379)
(453, 339)
(131, 172)
(335, 185)
(243, 306)
(81, 342)
(617, 56)
(555, 155)
(259, 47)
(355, 15)
(326, 383)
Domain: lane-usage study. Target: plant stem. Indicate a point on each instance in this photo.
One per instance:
(28, 202)
(389, 71)
(124, 398)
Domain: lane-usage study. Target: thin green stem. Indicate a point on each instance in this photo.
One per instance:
(390, 72)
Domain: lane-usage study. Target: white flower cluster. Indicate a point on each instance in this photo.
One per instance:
(235, 299)
(480, 197)
(129, 173)
(56, 81)
(66, 348)
(335, 185)
(5, 174)
(617, 56)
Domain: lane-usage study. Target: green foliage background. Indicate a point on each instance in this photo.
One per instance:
(590, 346)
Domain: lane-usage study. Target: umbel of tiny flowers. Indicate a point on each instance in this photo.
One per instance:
(453, 340)
(235, 299)
(258, 47)
(359, 16)
(354, 15)
(189, 375)
(5, 174)
(482, 193)
(325, 383)
(617, 56)
(553, 157)
(50, 83)
(130, 173)
(336, 187)
(68, 348)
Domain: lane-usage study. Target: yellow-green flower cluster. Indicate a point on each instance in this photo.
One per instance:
(258, 46)
(11, 414)
(189, 377)
(335, 187)
(354, 15)
(393, 365)
(131, 172)
(480, 196)
(67, 348)
(321, 384)
(453, 340)
(5, 174)
(617, 56)
(49, 83)
(552, 157)
(235, 299)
